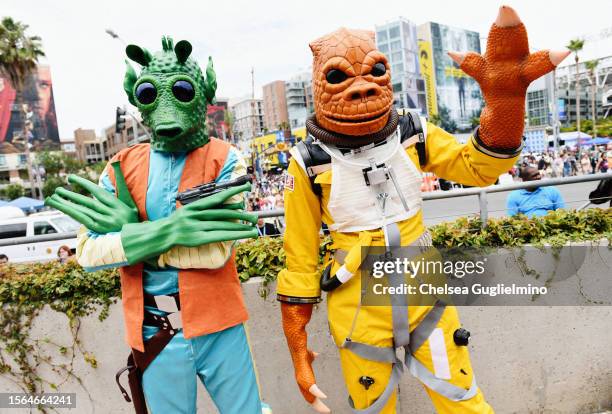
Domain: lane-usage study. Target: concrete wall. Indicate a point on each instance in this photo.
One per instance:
(527, 359)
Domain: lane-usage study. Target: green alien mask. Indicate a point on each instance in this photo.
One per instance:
(172, 94)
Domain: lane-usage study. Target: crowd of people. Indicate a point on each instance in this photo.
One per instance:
(267, 195)
(568, 162)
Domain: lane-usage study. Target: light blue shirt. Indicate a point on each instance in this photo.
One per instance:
(534, 203)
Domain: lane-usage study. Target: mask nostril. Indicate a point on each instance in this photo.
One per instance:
(355, 95)
(371, 92)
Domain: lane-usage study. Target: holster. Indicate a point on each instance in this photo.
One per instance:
(135, 384)
(137, 362)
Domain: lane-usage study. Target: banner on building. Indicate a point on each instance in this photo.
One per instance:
(458, 96)
(429, 76)
(38, 95)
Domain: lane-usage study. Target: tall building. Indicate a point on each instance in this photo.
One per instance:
(566, 90)
(398, 41)
(275, 105)
(539, 102)
(248, 114)
(300, 105)
(451, 94)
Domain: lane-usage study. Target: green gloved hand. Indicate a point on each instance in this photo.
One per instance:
(202, 222)
(104, 213)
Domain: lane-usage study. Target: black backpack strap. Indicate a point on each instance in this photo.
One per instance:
(411, 125)
(314, 160)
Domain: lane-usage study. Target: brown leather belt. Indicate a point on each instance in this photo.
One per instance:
(137, 362)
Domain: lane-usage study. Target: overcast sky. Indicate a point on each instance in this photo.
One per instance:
(271, 36)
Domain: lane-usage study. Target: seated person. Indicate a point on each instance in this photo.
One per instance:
(533, 201)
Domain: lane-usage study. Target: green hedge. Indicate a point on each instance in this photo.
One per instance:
(72, 290)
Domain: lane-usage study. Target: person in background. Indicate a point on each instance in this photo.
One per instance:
(266, 229)
(64, 254)
(557, 166)
(3, 259)
(534, 201)
(602, 164)
(567, 166)
(585, 163)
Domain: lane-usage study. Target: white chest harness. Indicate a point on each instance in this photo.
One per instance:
(372, 186)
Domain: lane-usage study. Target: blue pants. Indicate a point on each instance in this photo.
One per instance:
(222, 361)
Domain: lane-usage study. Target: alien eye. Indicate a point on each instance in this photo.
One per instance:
(336, 76)
(183, 91)
(146, 93)
(379, 69)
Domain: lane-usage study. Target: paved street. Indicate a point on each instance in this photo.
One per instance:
(436, 211)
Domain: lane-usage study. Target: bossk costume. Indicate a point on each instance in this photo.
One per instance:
(183, 306)
(359, 172)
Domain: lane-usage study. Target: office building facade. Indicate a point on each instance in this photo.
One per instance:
(398, 41)
(300, 105)
(275, 105)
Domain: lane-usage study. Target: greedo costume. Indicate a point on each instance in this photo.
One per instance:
(359, 171)
(183, 307)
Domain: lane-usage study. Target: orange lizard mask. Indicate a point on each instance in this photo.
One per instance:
(351, 83)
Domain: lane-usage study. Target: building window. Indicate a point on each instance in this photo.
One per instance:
(398, 67)
(2, 160)
(395, 45)
(397, 87)
(384, 48)
(394, 32)
(22, 159)
(382, 35)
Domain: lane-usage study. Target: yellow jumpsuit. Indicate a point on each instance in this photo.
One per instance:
(305, 211)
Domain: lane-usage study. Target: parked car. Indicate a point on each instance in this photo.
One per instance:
(33, 227)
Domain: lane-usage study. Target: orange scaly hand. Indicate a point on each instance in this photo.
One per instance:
(295, 319)
(504, 73)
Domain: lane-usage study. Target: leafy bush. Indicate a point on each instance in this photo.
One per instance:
(262, 257)
(556, 228)
(13, 191)
(69, 287)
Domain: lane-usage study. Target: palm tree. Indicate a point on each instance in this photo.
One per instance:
(19, 55)
(591, 65)
(576, 46)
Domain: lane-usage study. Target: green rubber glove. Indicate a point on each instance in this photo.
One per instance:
(104, 213)
(202, 222)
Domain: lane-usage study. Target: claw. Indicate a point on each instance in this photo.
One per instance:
(507, 17)
(457, 57)
(557, 56)
(316, 391)
(319, 407)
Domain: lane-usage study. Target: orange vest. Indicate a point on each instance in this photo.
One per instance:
(211, 299)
